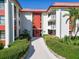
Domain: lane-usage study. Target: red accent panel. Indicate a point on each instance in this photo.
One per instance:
(37, 25)
(2, 27)
(37, 21)
(2, 12)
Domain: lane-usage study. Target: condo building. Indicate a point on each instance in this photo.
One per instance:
(14, 20)
(9, 20)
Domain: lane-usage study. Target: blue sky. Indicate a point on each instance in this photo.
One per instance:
(40, 4)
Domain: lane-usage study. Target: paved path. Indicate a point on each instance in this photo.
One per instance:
(39, 50)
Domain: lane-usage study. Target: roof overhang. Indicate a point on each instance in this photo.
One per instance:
(18, 3)
(33, 10)
(64, 5)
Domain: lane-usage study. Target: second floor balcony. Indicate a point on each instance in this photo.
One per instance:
(2, 5)
(52, 27)
(2, 20)
(2, 8)
(52, 17)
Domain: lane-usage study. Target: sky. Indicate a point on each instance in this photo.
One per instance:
(40, 4)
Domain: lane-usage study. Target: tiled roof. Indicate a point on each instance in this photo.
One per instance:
(66, 4)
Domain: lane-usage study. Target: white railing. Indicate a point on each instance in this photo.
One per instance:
(2, 22)
(52, 27)
(52, 17)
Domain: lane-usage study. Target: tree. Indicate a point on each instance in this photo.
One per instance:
(73, 16)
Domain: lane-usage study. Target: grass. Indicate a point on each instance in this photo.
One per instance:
(15, 51)
(69, 51)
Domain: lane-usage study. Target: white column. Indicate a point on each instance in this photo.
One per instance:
(77, 26)
(58, 23)
(64, 25)
(6, 23)
(13, 20)
(44, 23)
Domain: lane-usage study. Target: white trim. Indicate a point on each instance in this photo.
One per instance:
(6, 24)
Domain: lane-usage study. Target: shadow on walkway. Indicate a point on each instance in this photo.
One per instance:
(35, 38)
(30, 52)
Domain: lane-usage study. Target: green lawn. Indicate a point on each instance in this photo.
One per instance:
(69, 51)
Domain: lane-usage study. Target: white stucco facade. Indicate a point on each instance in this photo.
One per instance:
(62, 29)
(44, 25)
(9, 22)
(24, 21)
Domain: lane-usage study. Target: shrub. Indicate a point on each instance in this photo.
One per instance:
(2, 43)
(1, 46)
(71, 40)
(25, 34)
(17, 49)
(49, 37)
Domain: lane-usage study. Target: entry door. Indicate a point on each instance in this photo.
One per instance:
(36, 24)
(36, 33)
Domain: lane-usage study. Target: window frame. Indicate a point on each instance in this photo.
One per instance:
(2, 34)
(2, 20)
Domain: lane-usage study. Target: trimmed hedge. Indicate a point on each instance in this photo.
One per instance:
(2, 43)
(17, 49)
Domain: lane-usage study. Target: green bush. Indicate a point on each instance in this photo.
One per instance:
(49, 37)
(17, 49)
(1, 46)
(71, 40)
(25, 34)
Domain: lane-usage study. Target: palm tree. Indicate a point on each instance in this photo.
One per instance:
(73, 15)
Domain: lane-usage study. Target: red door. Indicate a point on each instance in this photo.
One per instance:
(37, 24)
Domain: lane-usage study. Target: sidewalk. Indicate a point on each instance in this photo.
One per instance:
(39, 50)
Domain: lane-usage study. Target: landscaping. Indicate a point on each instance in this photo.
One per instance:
(16, 50)
(67, 47)
(2, 43)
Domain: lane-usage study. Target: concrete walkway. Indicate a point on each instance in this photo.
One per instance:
(39, 50)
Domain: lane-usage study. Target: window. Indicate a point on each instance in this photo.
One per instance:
(51, 23)
(2, 20)
(53, 17)
(19, 14)
(15, 22)
(19, 22)
(2, 4)
(15, 12)
(2, 34)
(51, 32)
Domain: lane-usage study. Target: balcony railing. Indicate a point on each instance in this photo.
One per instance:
(52, 27)
(52, 17)
(2, 22)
